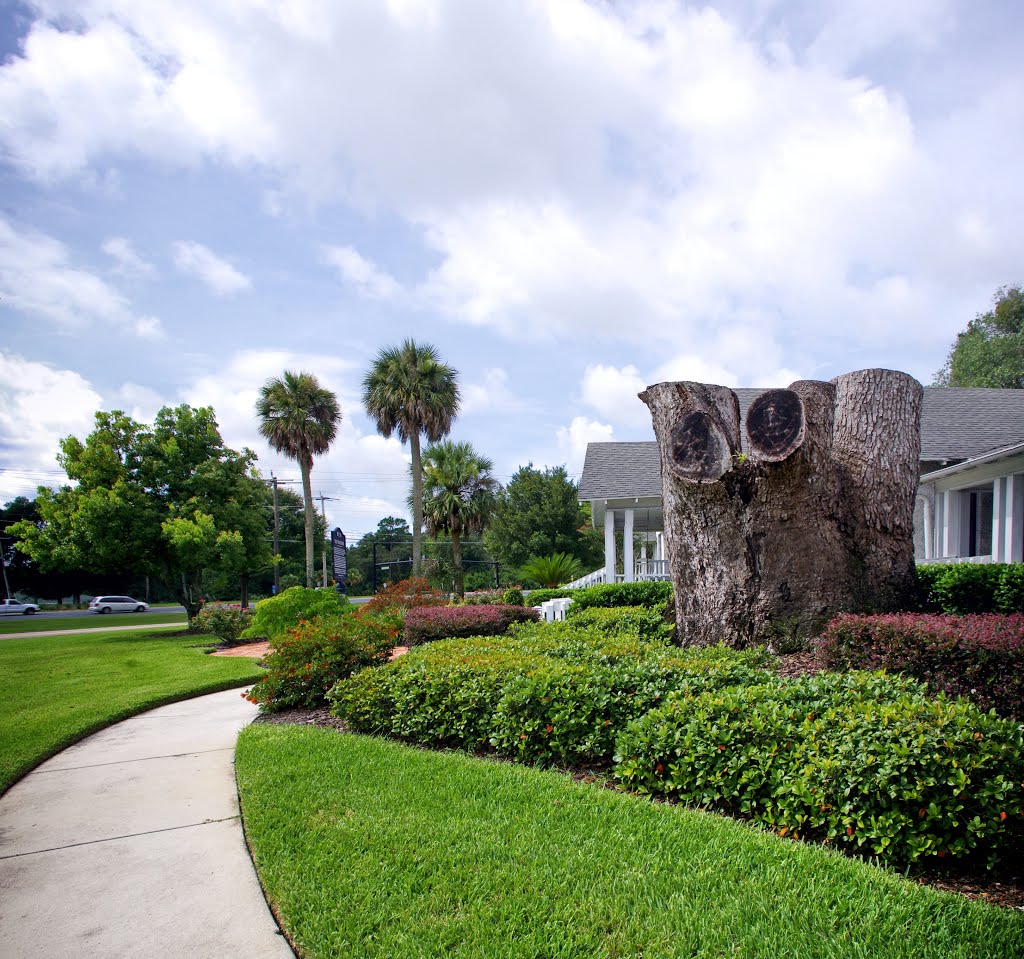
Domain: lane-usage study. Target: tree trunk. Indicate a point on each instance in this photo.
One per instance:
(244, 590)
(460, 577)
(417, 500)
(813, 519)
(310, 513)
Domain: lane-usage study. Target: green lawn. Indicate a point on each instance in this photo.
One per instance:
(34, 624)
(57, 689)
(369, 848)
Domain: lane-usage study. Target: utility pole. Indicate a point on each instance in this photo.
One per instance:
(323, 515)
(277, 542)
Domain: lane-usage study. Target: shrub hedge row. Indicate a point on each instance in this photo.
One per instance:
(647, 622)
(979, 657)
(863, 761)
(424, 624)
(961, 588)
(623, 594)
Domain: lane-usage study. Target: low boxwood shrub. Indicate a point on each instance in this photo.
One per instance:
(428, 623)
(544, 694)
(275, 615)
(305, 663)
(963, 588)
(647, 622)
(980, 657)
(861, 761)
(226, 621)
(647, 593)
(537, 596)
(513, 596)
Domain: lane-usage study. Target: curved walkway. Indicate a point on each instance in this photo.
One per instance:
(130, 844)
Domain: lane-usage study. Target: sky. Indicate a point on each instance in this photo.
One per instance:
(570, 200)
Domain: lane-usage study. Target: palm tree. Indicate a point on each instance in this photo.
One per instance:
(299, 418)
(553, 570)
(458, 492)
(409, 391)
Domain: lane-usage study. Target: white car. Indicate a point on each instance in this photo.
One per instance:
(12, 606)
(116, 604)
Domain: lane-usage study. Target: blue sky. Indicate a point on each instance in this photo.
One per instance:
(570, 200)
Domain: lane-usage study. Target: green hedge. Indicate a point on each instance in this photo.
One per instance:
(961, 588)
(860, 761)
(537, 596)
(275, 615)
(647, 622)
(650, 593)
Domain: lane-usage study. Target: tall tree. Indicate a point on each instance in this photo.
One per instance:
(170, 501)
(409, 391)
(299, 418)
(458, 492)
(990, 352)
(538, 514)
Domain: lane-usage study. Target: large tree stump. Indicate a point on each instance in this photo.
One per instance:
(814, 518)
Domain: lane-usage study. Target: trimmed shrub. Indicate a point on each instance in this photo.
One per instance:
(535, 597)
(647, 622)
(861, 761)
(226, 621)
(545, 694)
(483, 597)
(429, 623)
(979, 657)
(396, 598)
(513, 596)
(275, 615)
(649, 593)
(963, 588)
(311, 657)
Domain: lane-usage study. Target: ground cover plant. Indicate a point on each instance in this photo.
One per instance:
(367, 848)
(58, 689)
(304, 663)
(429, 623)
(863, 761)
(980, 657)
(275, 615)
(36, 624)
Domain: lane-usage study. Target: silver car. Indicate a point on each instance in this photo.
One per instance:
(116, 604)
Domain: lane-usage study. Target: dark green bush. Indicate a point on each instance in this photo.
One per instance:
(310, 658)
(506, 693)
(862, 761)
(648, 593)
(275, 615)
(962, 588)
(513, 596)
(647, 622)
(537, 596)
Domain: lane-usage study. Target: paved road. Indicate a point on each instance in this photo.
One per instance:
(129, 844)
(79, 613)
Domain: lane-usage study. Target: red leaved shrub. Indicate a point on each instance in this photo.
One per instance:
(445, 622)
(980, 657)
(405, 594)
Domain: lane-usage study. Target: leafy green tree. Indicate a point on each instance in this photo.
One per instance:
(168, 500)
(300, 418)
(538, 514)
(458, 492)
(990, 352)
(391, 538)
(551, 571)
(409, 391)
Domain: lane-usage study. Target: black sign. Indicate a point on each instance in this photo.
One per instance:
(339, 565)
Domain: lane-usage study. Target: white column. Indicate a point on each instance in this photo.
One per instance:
(609, 546)
(929, 528)
(627, 547)
(999, 519)
(659, 545)
(1015, 518)
(951, 523)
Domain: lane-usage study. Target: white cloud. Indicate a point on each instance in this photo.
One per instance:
(216, 272)
(368, 279)
(37, 277)
(573, 440)
(39, 405)
(613, 393)
(128, 261)
(490, 395)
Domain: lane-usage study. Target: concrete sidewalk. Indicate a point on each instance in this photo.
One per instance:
(129, 844)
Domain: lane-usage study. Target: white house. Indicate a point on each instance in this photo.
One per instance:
(970, 503)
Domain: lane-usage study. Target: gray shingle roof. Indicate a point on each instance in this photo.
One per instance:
(956, 424)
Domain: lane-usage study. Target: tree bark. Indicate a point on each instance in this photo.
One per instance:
(305, 464)
(813, 519)
(460, 576)
(417, 500)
